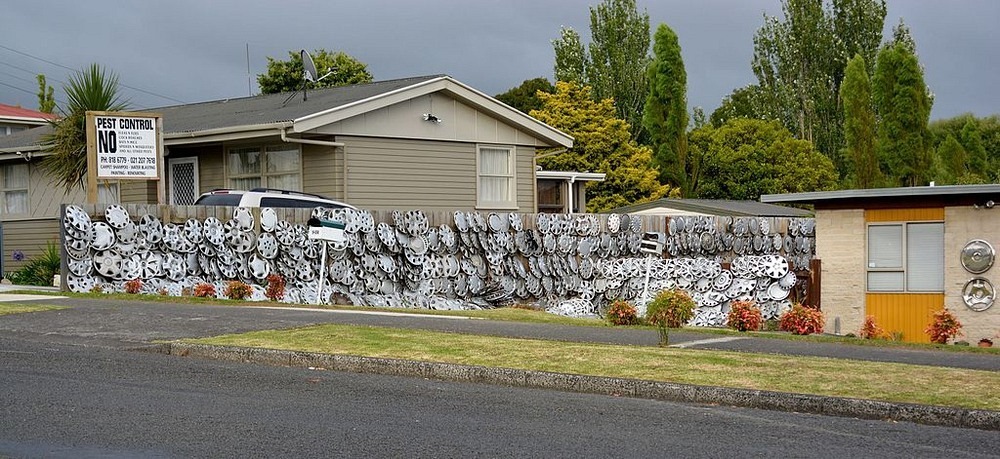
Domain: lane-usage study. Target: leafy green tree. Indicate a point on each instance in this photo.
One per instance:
(750, 101)
(746, 158)
(665, 115)
(602, 143)
(614, 64)
(800, 61)
(903, 107)
(91, 89)
(284, 76)
(972, 142)
(525, 97)
(46, 99)
(953, 158)
(571, 57)
(859, 124)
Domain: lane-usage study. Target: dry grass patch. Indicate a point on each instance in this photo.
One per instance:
(806, 375)
(18, 308)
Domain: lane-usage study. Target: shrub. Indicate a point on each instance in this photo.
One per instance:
(744, 315)
(97, 289)
(621, 312)
(670, 309)
(38, 271)
(871, 330)
(133, 286)
(943, 326)
(802, 320)
(275, 287)
(236, 290)
(772, 325)
(204, 290)
(163, 292)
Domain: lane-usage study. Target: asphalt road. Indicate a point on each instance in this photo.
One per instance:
(74, 400)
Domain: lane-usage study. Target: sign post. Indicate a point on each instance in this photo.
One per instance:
(326, 231)
(123, 146)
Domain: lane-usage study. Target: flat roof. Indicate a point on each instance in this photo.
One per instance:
(570, 175)
(938, 193)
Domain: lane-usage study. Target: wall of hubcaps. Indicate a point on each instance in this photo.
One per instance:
(567, 264)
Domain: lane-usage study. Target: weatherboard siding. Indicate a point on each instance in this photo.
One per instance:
(29, 237)
(322, 171)
(459, 122)
(426, 175)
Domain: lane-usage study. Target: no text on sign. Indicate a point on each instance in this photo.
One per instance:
(126, 147)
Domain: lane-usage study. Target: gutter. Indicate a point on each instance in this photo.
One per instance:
(327, 143)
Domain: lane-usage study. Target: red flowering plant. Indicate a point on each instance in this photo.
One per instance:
(621, 312)
(204, 290)
(275, 287)
(801, 320)
(744, 316)
(133, 286)
(236, 290)
(943, 327)
(871, 330)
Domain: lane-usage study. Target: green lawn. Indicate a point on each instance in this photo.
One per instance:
(805, 375)
(17, 308)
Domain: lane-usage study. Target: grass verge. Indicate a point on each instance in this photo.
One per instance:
(15, 308)
(805, 375)
(524, 315)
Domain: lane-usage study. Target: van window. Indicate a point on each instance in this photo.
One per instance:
(227, 199)
(291, 202)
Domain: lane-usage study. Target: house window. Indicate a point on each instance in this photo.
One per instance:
(15, 189)
(906, 257)
(496, 182)
(270, 167)
(550, 196)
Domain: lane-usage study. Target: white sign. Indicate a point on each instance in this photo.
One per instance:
(324, 233)
(126, 147)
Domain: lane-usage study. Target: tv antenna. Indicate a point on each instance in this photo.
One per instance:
(309, 74)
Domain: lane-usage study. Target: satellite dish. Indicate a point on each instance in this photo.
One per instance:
(310, 67)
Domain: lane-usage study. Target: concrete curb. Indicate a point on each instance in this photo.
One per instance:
(777, 401)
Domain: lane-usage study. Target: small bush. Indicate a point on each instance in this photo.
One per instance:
(871, 330)
(275, 287)
(204, 290)
(943, 326)
(236, 290)
(621, 312)
(163, 292)
(670, 309)
(38, 271)
(133, 286)
(802, 320)
(97, 289)
(772, 325)
(744, 316)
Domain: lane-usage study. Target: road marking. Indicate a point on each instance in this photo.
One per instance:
(19, 297)
(708, 341)
(372, 313)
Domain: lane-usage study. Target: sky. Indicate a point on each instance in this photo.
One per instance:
(185, 51)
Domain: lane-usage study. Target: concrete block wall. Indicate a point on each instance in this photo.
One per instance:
(841, 245)
(963, 224)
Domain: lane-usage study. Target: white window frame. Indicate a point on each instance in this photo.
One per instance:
(186, 160)
(511, 202)
(905, 265)
(263, 174)
(26, 189)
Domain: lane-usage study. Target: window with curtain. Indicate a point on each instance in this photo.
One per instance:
(906, 257)
(496, 182)
(270, 167)
(15, 189)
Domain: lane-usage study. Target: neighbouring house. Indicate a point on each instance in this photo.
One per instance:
(562, 192)
(900, 254)
(430, 143)
(668, 207)
(16, 119)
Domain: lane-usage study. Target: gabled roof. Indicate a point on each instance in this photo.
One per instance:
(12, 113)
(671, 206)
(270, 112)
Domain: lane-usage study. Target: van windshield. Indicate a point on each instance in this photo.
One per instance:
(227, 199)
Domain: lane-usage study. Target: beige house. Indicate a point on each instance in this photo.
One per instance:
(16, 119)
(900, 254)
(429, 143)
